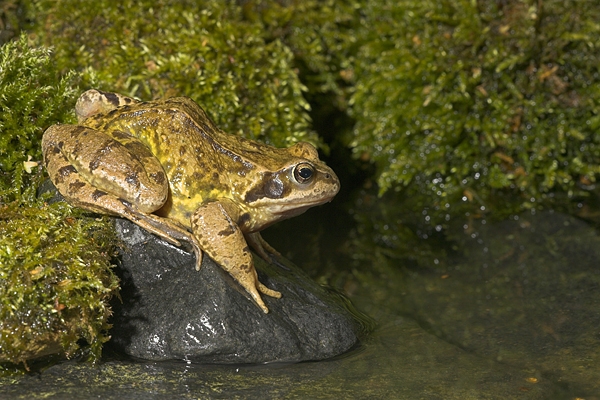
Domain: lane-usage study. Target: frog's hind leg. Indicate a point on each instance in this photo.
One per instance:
(95, 172)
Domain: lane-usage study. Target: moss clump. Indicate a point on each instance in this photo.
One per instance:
(55, 281)
(55, 276)
(464, 108)
(320, 34)
(31, 99)
(201, 49)
(494, 103)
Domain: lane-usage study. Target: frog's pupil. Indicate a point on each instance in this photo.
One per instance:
(305, 173)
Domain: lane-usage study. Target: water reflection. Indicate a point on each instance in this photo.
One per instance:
(511, 309)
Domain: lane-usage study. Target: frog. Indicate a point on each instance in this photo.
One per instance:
(165, 166)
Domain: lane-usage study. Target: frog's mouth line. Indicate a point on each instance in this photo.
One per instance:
(292, 210)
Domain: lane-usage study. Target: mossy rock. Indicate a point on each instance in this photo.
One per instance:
(55, 281)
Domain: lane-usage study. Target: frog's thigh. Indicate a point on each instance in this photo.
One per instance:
(224, 242)
(129, 171)
(77, 190)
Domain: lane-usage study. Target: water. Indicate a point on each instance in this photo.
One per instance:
(513, 312)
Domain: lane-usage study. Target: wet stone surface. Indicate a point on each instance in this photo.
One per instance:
(168, 310)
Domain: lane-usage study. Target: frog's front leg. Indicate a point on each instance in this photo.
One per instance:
(224, 242)
(93, 170)
(260, 245)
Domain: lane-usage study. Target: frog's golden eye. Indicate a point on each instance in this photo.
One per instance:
(303, 172)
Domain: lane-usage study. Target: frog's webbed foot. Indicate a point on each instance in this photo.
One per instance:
(224, 242)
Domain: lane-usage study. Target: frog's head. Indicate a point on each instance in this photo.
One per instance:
(301, 182)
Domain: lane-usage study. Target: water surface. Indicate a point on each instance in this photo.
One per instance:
(513, 312)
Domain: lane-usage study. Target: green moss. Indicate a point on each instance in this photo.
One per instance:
(320, 34)
(55, 276)
(31, 99)
(55, 281)
(461, 106)
(494, 103)
(201, 49)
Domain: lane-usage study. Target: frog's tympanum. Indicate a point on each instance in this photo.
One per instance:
(165, 166)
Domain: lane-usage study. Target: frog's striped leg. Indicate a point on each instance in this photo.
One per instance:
(84, 166)
(224, 242)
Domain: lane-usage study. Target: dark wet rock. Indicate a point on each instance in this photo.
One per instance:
(171, 311)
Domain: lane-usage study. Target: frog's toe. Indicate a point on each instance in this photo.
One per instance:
(254, 293)
(269, 292)
(258, 300)
(198, 254)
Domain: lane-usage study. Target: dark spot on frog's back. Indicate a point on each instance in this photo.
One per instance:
(138, 149)
(182, 151)
(226, 232)
(120, 135)
(66, 171)
(54, 150)
(132, 178)
(95, 163)
(245, 217)
(245, 267)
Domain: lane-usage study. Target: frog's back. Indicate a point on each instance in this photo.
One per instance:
(168, 127)
(181, 136)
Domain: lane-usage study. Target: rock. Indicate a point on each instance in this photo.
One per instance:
(171, 311)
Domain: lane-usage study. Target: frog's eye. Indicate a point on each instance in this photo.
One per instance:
(303, 172)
